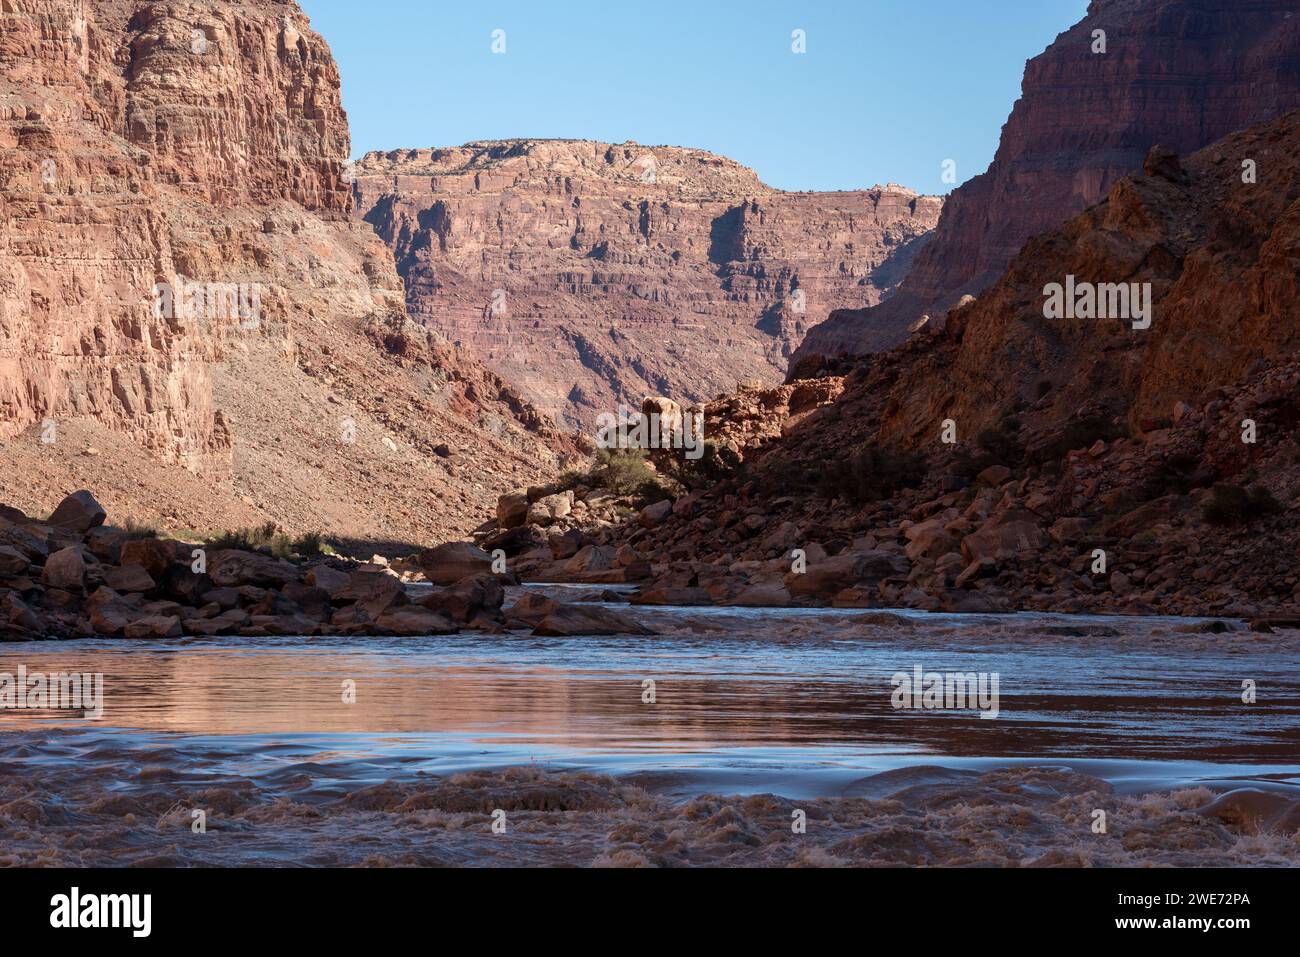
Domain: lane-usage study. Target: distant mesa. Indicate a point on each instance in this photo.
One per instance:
(592, 274)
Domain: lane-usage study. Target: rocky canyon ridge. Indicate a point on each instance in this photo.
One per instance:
(1180, 73)
(592, 274)
(191, 323)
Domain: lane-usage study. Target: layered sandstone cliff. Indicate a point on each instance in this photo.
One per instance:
(1181, 73)
(190, 321)
(593, 274)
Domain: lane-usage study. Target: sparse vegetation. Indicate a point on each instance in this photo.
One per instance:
(1237, 505)
(871, 473)
(716, 463)
(626, 472)
(1001, 446)
(1081, 433)
(136, 529)
(268, 536)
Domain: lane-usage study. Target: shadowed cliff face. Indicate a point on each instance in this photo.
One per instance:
(181, 283)
(592, 274)
(1214, 238)
(1181, 73)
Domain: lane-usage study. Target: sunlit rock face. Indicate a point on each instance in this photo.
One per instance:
(181, 282)
(594, 274)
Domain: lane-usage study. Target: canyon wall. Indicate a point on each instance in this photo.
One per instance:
(190, 320)
(593, 274)
(1180, 73)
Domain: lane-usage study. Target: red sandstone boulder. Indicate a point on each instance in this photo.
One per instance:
(154, 555)
(570, 620)
(467, 599)
(65, 569)
(449, 563)
(79, 512)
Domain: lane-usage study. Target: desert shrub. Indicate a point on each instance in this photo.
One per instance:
(871, 473)
(716, 463)
(1001, 446)
(1235, 505)
(137, 530)
(268, 536)
(1179, 474)
(626, 472)
(785, 476)
(310, 544)
(247, 539)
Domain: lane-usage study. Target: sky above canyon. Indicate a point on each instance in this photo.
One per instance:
(886, 91)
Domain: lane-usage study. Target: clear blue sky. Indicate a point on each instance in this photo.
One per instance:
(887, 90)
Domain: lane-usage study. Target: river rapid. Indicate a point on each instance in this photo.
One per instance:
(734, 737)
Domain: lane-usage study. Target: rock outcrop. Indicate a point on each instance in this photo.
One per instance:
(190, 321)
(1096, 464)
(1181, 73)
(593, 274)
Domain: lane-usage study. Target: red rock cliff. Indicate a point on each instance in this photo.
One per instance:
(1182, 73)
(619, 271)
(157, 145)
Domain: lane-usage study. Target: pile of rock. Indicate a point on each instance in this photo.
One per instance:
(549, 533)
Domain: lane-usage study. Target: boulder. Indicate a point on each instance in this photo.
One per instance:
(571, 620)
(129, 578)
(532, 607)
(1012, 534)
(314, 602)
(154, 626)
(672, 596)
(512, 509)
(185, 585)
(414, 621)
(930, 539)
(372, 593)
(232, 567)
(761, 595)
(291, 625)
(12, 562)
(65, 569)
(449, 563)
(592, 558)
(105, 543)
(513, 541)
(79, 513)
(567, 544)
(327, 579)
(993, 476)
(468, 598)
(548, 509)
(1070, 531)
(652, 516)
(825, 579)
(152, 554)
(21, 615)
(26, 537)
(223, 624)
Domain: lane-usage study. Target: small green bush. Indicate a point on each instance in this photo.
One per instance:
(626, 472)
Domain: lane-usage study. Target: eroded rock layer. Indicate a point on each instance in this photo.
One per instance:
(181, 285)
(592, 275)
(1178, 73)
